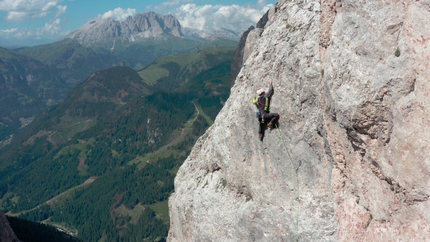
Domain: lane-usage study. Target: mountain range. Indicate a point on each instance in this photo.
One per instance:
(34, 78)
(108, 33)
(95, 126)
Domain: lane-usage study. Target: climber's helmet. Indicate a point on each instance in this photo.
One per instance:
(260, 91)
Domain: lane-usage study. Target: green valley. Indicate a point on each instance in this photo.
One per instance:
(38, 77)
(102, 163)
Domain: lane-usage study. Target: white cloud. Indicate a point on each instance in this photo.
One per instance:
(52, 27)
(16, 16)
(52, 30)
(261, 3)
(13, 30)
(212, 17)
(49, 6)
(167, 4)
(20, 10)
(60, 10)
(119, 13)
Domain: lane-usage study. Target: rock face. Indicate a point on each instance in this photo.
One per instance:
(246, 44)
(239, 54)
(351, 86)
(142, 26)
(6, 232)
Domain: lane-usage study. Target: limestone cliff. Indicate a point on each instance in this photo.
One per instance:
(351, 83)
(106, 31)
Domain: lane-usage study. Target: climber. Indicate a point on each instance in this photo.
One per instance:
(262, 101)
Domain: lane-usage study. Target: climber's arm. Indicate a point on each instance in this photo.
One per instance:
(271, 90)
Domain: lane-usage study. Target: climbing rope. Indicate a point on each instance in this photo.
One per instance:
(296, 190)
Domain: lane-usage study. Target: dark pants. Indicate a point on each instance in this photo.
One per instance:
(268, 118)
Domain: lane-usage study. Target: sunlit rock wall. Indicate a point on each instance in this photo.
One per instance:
(351, 83)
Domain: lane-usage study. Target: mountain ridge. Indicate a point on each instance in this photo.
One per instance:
(106, 32)
(64, 64)
(27, 86)
(90, 101)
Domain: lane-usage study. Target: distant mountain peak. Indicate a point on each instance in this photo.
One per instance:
(105, 32)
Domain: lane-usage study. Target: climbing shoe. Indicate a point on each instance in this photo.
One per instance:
(260, 137)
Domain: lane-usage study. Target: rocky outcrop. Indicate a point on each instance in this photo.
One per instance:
(6, 232)
(349, 161)
(151, 24)
(247, 43)
(106, 31)
(239, 57)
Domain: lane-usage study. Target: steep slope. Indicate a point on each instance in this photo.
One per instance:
(90, 102)
(349, 161)
(171, 72)
(6, 232)
(27, 86)
(37, 232)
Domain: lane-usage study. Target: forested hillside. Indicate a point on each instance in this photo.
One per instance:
(26, 87)
(102, 163)
(37, 77)
(90, 102)
(72, 61)
(170, 72)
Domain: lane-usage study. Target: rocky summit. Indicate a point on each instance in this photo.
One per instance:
(107, 31)
(350, 159)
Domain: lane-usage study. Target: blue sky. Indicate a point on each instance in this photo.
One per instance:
(33, 22)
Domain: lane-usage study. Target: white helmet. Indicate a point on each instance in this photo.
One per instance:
(260, 91)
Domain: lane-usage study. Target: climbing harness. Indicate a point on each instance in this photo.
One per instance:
(265, 104)
(295, 185)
